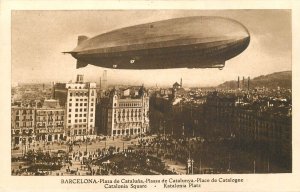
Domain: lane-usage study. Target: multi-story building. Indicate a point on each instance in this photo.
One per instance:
(263, 127)
(49, 122)
(22, 124)
(124, 113)
(37, 124)
(79, 100)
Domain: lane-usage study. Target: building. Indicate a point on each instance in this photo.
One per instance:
(79, 100)
(262, 127)
(49, 121)
(22, 125)
(124, 112)
(37, 124)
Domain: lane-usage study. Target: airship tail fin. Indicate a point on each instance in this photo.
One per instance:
(81, 38)
(80, 64)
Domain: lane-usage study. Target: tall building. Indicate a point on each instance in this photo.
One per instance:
(124, 112)
(79, 100)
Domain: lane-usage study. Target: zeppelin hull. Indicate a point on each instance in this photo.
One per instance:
(193, 42)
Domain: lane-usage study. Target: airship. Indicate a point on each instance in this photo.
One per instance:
(186, 42)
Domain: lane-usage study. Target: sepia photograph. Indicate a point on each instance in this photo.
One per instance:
(149, 95)
(151, 92)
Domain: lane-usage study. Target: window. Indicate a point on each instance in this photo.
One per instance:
(80, 115)
(76, 104)
(84, 120)
(84, 115)
(69, 121)
(85, 104)
(92, 104)
(80, 109)
(75, 120)
(70, 104)
(71, 94)
(91, 120)
(71, 99)
(76, 115)
(76, 110)
(91, 114)
(70, 115)
(70, 110)
(80, 104)
(92, 109)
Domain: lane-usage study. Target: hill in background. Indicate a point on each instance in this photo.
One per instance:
(272, 81)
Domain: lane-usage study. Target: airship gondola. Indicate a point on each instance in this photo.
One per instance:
(187, 42)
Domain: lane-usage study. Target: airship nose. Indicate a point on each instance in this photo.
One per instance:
(238, 31)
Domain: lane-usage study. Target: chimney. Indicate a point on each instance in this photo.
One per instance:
(243, 84)
(104, 80)
(248, 83)
(181, 82)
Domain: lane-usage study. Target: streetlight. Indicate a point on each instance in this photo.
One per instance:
(86, 142)
(164, 130)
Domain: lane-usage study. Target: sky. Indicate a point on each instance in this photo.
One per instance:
(40, 37)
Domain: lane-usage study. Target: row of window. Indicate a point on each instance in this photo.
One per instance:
(41, 113)
(92, 99)
(127, 131)
(81, 115)
(84, 125)
(50, 119)
(24, 124)
(81, 93)
(24, 112)
(80, 120)
(81, 109)
(128, 110)
(24, 118)
(80, 104)
(128, 104)
(50, 112)
(83, 131)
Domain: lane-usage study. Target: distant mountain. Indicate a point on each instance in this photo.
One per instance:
(279, 79)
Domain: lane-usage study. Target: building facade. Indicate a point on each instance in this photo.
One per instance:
(124, 113)
(37, 124)
(79, 100)
(22, 125)
(50, 124)
(263, 128)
